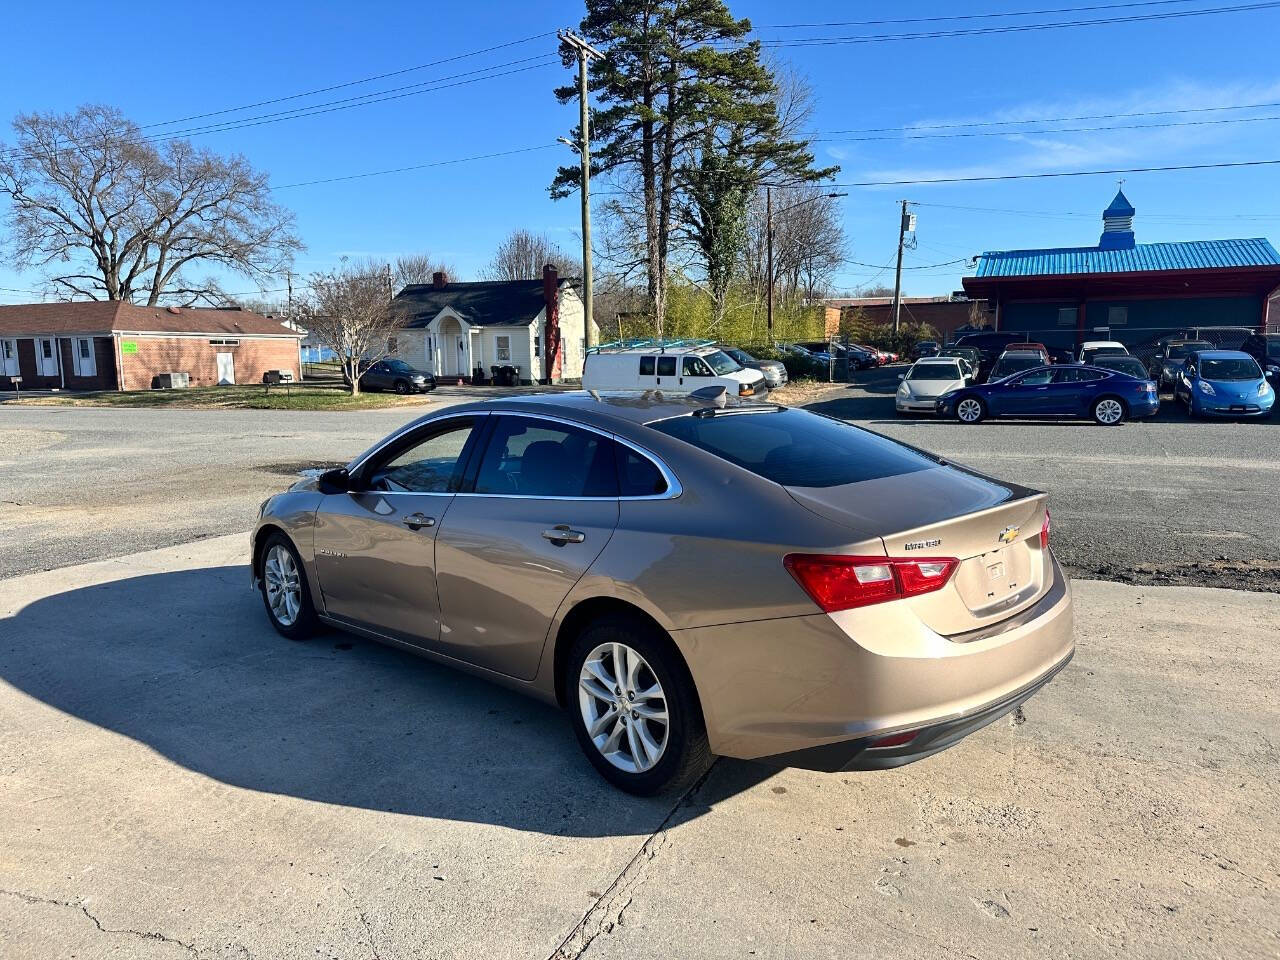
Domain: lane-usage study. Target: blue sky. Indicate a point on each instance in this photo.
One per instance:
(174, 60)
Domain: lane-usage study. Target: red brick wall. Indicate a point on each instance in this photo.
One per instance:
(198, 358)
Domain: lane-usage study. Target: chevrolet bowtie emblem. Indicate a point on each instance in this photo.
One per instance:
(1008, 534)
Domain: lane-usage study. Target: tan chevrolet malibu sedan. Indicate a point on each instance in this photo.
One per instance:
(686, 577)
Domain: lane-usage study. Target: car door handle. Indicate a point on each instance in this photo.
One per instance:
(562, 534)
(416, 521)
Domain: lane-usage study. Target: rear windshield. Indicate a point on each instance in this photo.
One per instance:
(1130, 365)
(1230, 368)
(796, 448)
(1180, 351)
(1106, 352)
(1007, 365)
(934, 371)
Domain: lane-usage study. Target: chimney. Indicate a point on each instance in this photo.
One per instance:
(439, 279)
(551, 297)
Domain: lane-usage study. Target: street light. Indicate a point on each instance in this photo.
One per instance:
(768, 205)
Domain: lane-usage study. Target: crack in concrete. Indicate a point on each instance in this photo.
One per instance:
(125, 931)
(364, 920)
(607, 913)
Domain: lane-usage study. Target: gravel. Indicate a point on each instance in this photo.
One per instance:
(1159, 502)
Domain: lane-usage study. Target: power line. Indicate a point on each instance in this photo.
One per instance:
(418, 166)
(971, 16)
(1044, 132)
(1071, 215)
(352, 83)
(1011, 28)
(1046, 176)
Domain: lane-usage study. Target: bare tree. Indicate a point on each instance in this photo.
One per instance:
(808, 242)
(418, 268)
(350, 311)
(112, 216)
(523, 254)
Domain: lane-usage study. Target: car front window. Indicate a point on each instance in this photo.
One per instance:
(432, 465)
(1230, 368)
(934, 371)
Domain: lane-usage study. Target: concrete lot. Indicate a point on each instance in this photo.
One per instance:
(1161, 502)
(179, 781)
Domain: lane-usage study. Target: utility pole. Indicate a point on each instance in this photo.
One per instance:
(768, 243)
(585, 53)
(906, 224)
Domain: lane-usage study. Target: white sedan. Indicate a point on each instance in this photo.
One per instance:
(928, 379)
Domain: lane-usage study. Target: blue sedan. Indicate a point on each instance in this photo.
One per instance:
(1223, 383)
(1107, 397)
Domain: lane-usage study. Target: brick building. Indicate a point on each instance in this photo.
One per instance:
(947, 315)
(109, 345)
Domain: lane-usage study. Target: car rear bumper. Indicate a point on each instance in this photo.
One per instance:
(815, 692)
(1145, 408)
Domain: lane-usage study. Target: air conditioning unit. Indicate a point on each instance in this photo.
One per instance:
(173, 380)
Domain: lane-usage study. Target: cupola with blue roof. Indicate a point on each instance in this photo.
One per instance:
(1117, 224)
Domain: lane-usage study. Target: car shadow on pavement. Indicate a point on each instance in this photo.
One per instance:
(186, 664)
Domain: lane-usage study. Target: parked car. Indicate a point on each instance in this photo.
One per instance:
(394, 374)
(591, 551)
(1091, 349)
(1167, 363)
(855, 357)
(1223, 383)
(674, 369)
(775, 372)
(881, 357)
(1067, 390)
(1265, 348)
(1222, 338)
(928, 379)
(925, 348)
(969, 355)
(1130, 366)
(990, 344)
(1014, 361)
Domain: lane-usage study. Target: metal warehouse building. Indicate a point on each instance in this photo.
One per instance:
(1127, 291)
(111, 345)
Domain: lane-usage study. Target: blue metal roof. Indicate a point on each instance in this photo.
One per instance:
(1120, 207)
(1189, 255)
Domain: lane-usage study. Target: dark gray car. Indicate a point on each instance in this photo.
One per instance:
(775, 374)
(394, 374)
(1167, 363)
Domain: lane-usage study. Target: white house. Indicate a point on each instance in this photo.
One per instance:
(453, 328)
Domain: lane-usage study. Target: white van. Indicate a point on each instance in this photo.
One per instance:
(679, 366)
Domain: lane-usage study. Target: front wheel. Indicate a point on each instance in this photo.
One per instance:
(1108, 411)
(284, 589)
(634, 709)
(970, 410)
(402, 387)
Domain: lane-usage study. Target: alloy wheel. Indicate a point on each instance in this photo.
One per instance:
(1109, 411)
(284, 585)
(969, 410)
(623, 707)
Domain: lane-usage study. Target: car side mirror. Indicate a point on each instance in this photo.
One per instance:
(335, 481)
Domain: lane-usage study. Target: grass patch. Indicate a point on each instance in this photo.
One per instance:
(298, 397)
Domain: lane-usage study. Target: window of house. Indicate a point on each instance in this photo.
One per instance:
(9, 354)
(537, 346)
(504, 349)
(1117, 316)
(46, 349)
(646, 366)
(582, 345)
(1066, 316)
(224, 343)
(393, 345)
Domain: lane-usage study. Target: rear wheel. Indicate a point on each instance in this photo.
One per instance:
(970, 410)
(1108, 411)
(634, 709)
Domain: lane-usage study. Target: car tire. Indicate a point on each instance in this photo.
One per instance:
(402, 387)
(970, 410)
(1109, 411)
(280, 572)
(684, 753)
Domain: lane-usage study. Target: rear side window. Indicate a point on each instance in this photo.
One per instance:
(637, 475)
(646, 366)
(535, 458)
(797, 449)
(666, 366)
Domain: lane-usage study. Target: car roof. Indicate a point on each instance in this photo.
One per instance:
(1100, 343)
(1216, 354)
(599, 408)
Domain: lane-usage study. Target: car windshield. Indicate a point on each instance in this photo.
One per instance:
(721, 362)
(1007, 365)
(796, 448)
(934, 371)
(1130, 365)
(1105, 352)
(1229, 368)
(398, 366)
(1180, 351)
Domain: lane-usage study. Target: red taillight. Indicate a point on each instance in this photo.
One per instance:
(841, 583)
(893, 740)
(1044, 531)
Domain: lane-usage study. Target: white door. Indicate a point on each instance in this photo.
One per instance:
(47, 356)
(226, 370)
(8, 358)
(82, 353)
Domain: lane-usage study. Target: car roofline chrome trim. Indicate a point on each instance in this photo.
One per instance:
(674, 488)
